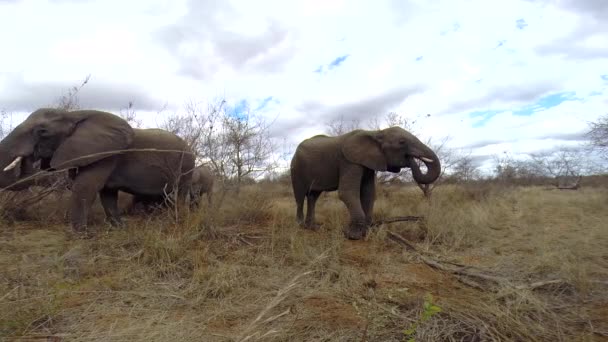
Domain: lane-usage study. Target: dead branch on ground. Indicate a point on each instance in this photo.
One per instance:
(466, 275)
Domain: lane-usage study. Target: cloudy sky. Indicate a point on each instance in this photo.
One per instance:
(518, 76)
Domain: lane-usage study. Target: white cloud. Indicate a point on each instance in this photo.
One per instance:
(463, 55)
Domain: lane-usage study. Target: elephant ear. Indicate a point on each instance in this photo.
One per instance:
(94, 133)
(363, 147)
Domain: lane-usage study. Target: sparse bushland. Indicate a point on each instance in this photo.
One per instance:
(243, 271)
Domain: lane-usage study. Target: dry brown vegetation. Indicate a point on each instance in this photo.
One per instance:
(245, 272)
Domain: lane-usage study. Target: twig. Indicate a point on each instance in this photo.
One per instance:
(8, 293)
(398, 219)
(463, 271)
(540, 284)
(240, 238)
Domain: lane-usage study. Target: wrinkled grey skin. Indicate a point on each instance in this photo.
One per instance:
(202, 183)
(77, 141)
(348, 163)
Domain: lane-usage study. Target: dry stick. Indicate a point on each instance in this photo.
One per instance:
(398, 219)
(461, 270)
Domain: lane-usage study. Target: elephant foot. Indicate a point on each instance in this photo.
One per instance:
(115, 222)
(81, 233)
(312, 226)
(356, 232)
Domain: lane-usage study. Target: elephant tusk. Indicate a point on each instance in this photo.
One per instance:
(426, 160)
(13, 164)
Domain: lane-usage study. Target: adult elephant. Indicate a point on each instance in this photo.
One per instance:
(202, 183)
(348, 163)
(94, 146)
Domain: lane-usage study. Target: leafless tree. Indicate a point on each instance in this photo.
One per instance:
(130, 115)
(70, 100)
(250, 145)
(464, 169)
(340, 125)
(598, 135)
(566, 165)
(237, 145)
(6, 123)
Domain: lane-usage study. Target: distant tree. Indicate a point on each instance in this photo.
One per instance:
(598, 135)
(464, 169)
(237, 145)
(6, 123)
(130, 115)
(340, 125)
(70, 100)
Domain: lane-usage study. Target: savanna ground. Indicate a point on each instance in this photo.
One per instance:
(244, 271)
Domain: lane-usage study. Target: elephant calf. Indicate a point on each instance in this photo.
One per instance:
(103, 154)
(202, 183)
(348, 163)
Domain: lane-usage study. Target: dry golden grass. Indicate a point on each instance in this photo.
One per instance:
(246, 272)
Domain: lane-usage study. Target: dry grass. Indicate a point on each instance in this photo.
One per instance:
(245, 272)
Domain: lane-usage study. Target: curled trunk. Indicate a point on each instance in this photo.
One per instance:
(433, 168)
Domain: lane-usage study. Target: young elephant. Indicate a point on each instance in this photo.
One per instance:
(94, 146)
(202, 182)
(348, 163)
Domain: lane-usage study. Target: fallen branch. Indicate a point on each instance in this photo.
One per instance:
(464, 273)
(398, 219)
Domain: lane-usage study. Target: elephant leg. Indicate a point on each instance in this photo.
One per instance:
(87, 183)
(109, 202)
(349, 191)
(209, 199)
(368, 195)
(299, 196)
(311, 202)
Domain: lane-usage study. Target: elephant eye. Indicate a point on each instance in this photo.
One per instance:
(41, 131)
(402, 142)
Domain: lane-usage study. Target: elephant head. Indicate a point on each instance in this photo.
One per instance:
(391, 150)
(60, 139)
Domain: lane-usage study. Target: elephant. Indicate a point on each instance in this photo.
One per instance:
(103, 155)
(348, 163)
(202, 182)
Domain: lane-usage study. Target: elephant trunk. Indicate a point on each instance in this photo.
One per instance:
(433, 165)
(15, 160)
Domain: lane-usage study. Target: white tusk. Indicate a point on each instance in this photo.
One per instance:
(427, 160)
(13, 164)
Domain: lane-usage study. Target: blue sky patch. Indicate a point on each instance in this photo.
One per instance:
(265, 102)
(240, 109)
(500, 43)
(604, 77)
(521, 24)
(418, 59)
(336, 62)
(545, 102)
(484, 115)
(333, 64)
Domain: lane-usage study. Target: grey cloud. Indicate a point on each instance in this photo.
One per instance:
(365, 108)
(592, 24)
(315, 113)
(485, 143)
(594, 8)
(204, 32)
(572, 136)
(509, 94)
(24, 96)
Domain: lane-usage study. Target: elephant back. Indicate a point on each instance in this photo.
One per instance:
(170, 150)
(202, 177)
